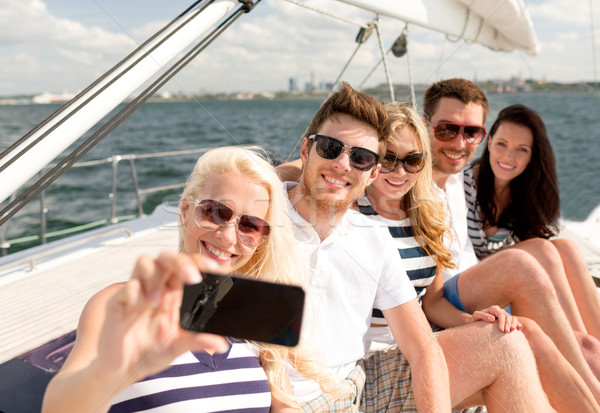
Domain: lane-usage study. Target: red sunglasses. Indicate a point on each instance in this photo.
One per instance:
(446, 131)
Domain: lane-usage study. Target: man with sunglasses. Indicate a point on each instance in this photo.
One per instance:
(456, 110)
(354, 265)
(351, 264)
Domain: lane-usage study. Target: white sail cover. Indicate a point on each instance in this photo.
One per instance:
(502, 25)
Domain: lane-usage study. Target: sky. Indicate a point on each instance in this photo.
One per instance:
(64, 45)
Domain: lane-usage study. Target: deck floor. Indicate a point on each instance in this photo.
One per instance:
(44, 304)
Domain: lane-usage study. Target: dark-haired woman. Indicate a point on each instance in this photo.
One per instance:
(513, 201)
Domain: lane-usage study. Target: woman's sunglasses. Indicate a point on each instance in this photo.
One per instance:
(212, 215)
(412, 163)
(330, 148)
(446, 131)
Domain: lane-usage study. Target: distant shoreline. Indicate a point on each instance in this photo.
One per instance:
(501, 87)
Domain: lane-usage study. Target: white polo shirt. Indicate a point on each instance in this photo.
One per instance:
(460, 246)
(353, 270)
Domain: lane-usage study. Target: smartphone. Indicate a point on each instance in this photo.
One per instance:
(243, 308)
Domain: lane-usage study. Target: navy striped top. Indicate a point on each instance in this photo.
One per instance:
(482, 244)
(199, 382)
(420, 267)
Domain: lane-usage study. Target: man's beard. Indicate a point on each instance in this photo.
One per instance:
(443, 167)
(325, 204)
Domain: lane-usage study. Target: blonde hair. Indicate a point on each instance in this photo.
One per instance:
(275, 260)
(424, 208)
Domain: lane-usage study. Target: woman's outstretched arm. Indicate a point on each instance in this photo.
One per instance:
(127, 332)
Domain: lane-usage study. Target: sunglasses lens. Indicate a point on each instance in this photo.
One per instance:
(411, 163)
(253, 230)
(388, 164)
(328, 148)
(474, 134)
(414, 163)
(362, 159)
(446, 131)
(212, 214)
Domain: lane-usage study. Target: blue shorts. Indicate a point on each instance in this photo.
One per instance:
(451, 292)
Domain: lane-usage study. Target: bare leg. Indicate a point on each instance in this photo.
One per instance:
(564, 386)
(590, 347)
(499, 369)
(582, 285)
(514, 277)
(549, 258)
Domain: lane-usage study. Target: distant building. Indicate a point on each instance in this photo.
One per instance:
(293, 85)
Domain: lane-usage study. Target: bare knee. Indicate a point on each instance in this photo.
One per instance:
(527, 276)
(588, 342)
(515, 343)
(536, 337)
(563, 244)
(530, 327)
(485, 339)
(545, 251)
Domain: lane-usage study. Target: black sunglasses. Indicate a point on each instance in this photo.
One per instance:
(330, 148)
(412, 163)
(212, 215)
(446, 131)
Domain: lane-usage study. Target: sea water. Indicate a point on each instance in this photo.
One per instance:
(82, 195)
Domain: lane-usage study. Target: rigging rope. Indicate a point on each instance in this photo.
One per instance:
(385, 65)
(360, 43)
(325, 13)
(413, 99)
(24, 198)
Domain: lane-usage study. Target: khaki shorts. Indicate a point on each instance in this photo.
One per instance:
(381, 382)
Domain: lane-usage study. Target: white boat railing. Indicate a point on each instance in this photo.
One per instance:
(113, 161)
(30, 261)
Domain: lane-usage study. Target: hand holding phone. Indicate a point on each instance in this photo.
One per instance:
(243, 308)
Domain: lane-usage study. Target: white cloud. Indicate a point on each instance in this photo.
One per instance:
(564, 11)
(276, 41)
(28, 22)
(60, 47)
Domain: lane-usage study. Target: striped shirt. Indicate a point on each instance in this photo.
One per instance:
(420, 267)
(482, 244)
(199, 382)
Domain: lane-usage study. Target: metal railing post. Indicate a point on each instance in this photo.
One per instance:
(113, 194)
(4, 243)
(43, 213)
(138, 194)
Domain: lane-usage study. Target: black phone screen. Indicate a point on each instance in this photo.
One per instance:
(242, 308)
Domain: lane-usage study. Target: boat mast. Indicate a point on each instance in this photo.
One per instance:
(39, 147)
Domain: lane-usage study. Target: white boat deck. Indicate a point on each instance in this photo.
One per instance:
(42, 304)
(586, 234)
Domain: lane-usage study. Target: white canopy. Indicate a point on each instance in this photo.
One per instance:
(502, 25)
